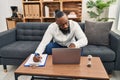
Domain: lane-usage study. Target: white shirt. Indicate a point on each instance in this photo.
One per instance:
(53, 32)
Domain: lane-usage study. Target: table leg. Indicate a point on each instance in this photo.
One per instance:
(16, 76)
(32, 78)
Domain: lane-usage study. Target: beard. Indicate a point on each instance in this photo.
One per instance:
(65, 31)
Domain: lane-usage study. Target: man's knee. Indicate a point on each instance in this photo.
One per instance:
(48, 49)
(51, 45)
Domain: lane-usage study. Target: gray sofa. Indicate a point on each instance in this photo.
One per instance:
(17, 44)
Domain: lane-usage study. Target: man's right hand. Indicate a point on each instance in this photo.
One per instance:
(37, 58)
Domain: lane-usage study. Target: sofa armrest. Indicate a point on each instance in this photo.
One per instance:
(7, 37)
(115, 46)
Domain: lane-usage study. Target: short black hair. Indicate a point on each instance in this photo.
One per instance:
(58, 13)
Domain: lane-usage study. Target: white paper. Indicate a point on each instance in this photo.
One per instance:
(30, 61)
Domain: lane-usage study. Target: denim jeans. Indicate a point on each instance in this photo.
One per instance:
(51, 45)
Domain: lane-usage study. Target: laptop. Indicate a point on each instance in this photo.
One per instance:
(66, 55)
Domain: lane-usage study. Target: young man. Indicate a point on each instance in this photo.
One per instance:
(63, 32)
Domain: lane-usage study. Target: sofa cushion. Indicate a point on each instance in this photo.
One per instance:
(105, 53)
(19, 49)
(98, 32)
(30, 31)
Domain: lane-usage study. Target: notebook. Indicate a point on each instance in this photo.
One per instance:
(66, 55)
(30, 61)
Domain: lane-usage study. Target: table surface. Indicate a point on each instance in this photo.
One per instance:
(96, 71)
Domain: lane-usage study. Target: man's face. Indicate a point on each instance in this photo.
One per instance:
(63, 24)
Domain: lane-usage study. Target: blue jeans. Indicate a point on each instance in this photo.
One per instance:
(51, 45)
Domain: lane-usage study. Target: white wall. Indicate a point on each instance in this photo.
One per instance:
(84, 11)
(115, 12)
(5, 11)
(118, 16)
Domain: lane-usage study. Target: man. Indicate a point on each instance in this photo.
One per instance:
(63, 32)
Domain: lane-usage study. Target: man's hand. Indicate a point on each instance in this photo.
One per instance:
(37, 57)
(72, 45)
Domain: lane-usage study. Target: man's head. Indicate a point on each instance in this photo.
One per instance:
(62, 21)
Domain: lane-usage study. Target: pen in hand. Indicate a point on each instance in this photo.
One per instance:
(37, 57)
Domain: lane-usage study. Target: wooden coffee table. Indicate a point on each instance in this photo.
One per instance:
(75, 71)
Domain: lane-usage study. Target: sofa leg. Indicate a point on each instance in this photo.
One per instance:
(5, 68)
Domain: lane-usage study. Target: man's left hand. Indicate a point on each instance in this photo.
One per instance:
(72, 45)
